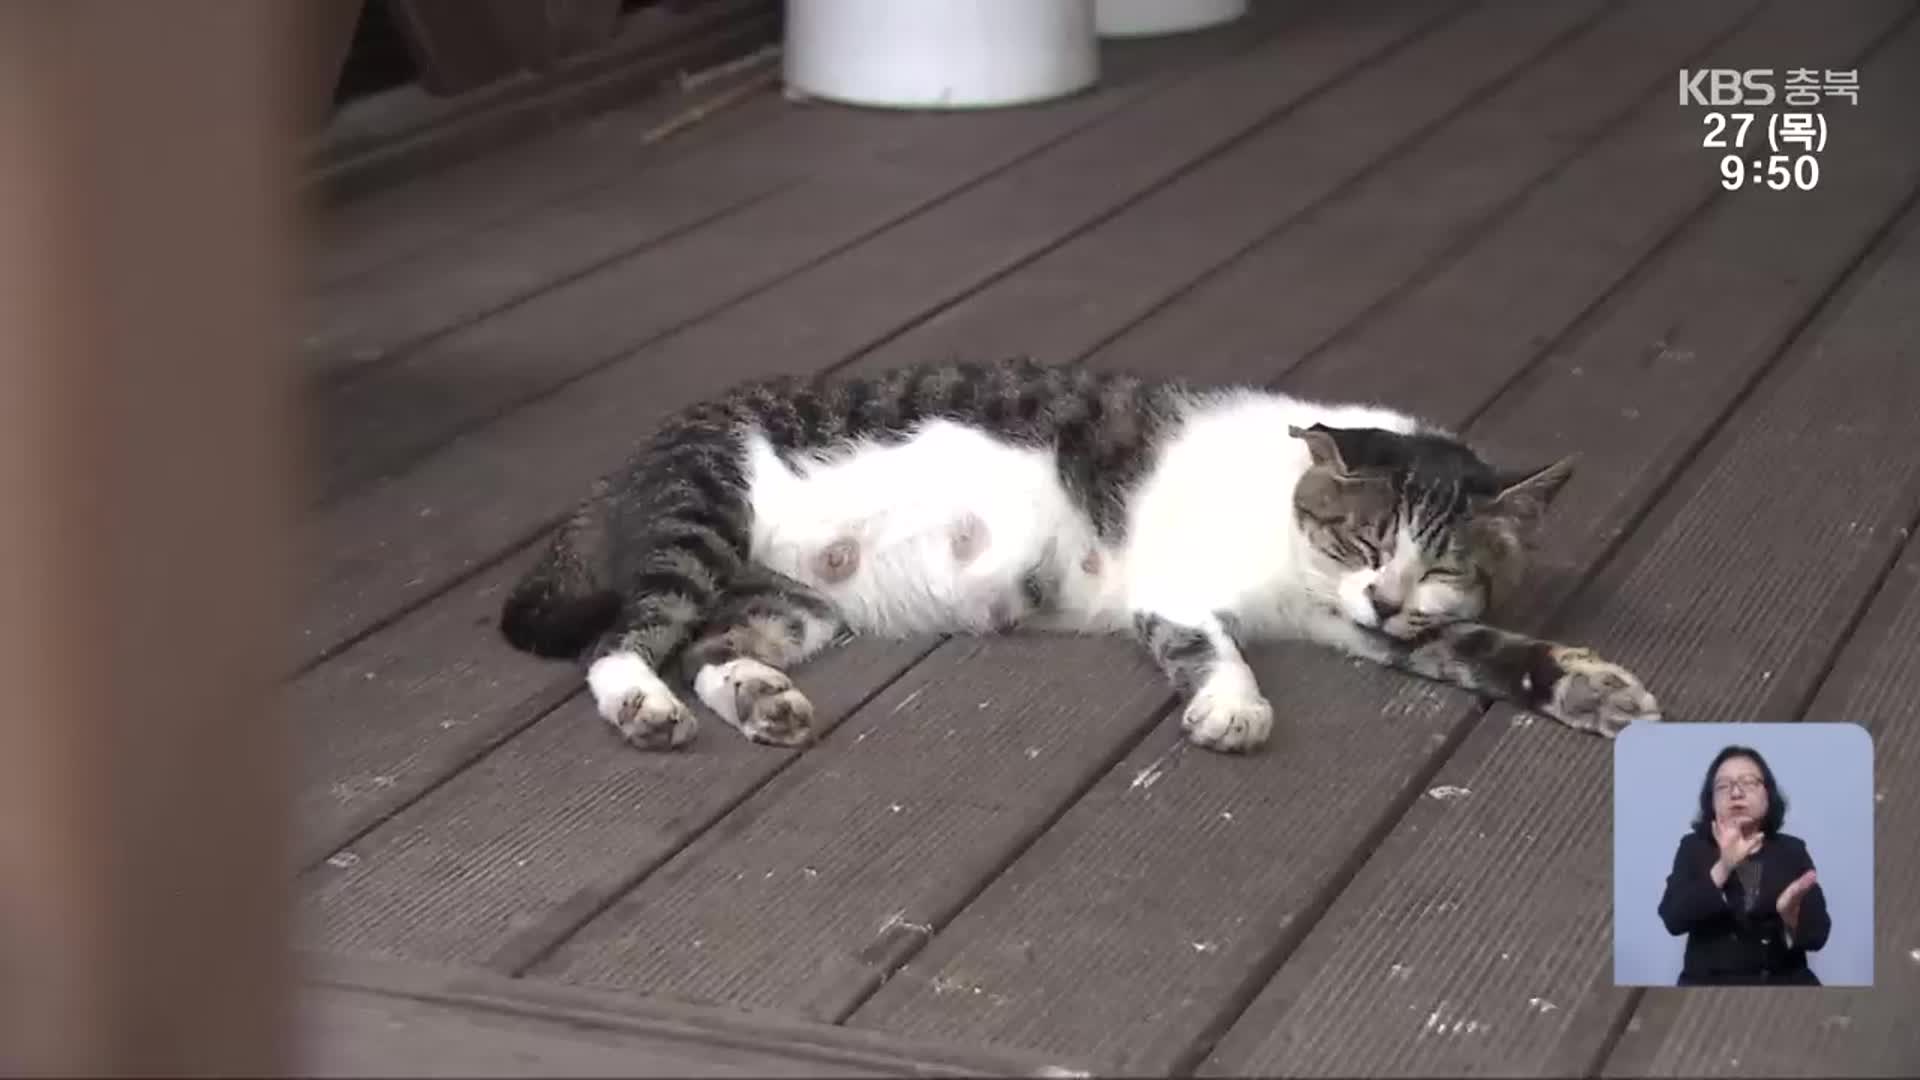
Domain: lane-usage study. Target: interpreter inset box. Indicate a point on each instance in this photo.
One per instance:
(1743, 855)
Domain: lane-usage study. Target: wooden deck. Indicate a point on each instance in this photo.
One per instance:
(999, 857)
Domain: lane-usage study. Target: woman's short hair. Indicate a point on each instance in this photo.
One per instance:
(1776, 815)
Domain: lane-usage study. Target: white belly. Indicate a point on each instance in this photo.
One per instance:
(942, 530)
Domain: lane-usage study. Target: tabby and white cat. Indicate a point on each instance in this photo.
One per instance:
(759, 528)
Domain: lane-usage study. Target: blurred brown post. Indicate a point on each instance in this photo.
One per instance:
(146, 155)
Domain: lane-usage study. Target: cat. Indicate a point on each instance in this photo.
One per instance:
(759, 528)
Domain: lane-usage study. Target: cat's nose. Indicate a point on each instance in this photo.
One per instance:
(1383, 608)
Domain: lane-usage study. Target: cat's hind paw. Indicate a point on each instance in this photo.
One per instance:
(1596, 695)
(638, 704)
(1228, 713)
(759, 700)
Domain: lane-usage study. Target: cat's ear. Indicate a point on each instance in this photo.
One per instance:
(1525, 497)
(1321, 444)
(1330, 491)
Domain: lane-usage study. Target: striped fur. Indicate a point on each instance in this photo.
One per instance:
(754, 530)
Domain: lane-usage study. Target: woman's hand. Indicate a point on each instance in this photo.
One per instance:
(1736, 847)
(1789, 903)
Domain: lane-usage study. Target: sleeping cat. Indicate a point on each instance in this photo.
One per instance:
(755, 530)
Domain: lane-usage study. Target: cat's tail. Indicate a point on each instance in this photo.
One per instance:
(566, 600)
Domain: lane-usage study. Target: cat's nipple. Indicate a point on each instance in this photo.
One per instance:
(968, 538)
(837, 561)
(1091, 562)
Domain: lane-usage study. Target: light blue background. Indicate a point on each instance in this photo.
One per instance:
(1826, 772)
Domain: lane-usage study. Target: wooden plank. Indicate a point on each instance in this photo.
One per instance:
(144, 546)
(1333, 164)
(406, 219)
(1047, 944)
(380, 1018)
(419, 399)
(649, 47)
(866, 169)
(387, 315)
(494, 266)
(808, 892)
(829, 965)
(1487, 902)
(1630, 190)
(1281, 177)
(357, 1033)
(389, 720)
(870, 167)
(546, 828)
(1839, 1031)
(403, 134)
(385, 721)
(495, 488)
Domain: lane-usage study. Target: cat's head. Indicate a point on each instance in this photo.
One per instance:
(1415, 530)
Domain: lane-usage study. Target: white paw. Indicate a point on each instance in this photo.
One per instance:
(757, 699)
(1598, 696)
(638, 704)
(1229, 713)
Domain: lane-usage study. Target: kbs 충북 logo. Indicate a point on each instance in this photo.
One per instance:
(1798, 125)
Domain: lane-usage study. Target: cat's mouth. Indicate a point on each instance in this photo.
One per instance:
(1405, 631)
(1374, 629)
(1387, 631)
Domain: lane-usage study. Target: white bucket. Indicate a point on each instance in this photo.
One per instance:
(1140, 18)
(940, 54)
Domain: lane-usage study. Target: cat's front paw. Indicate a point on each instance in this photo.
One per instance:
(759, 700)
(1598, 696)
(639, 705)
(1228, 713)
